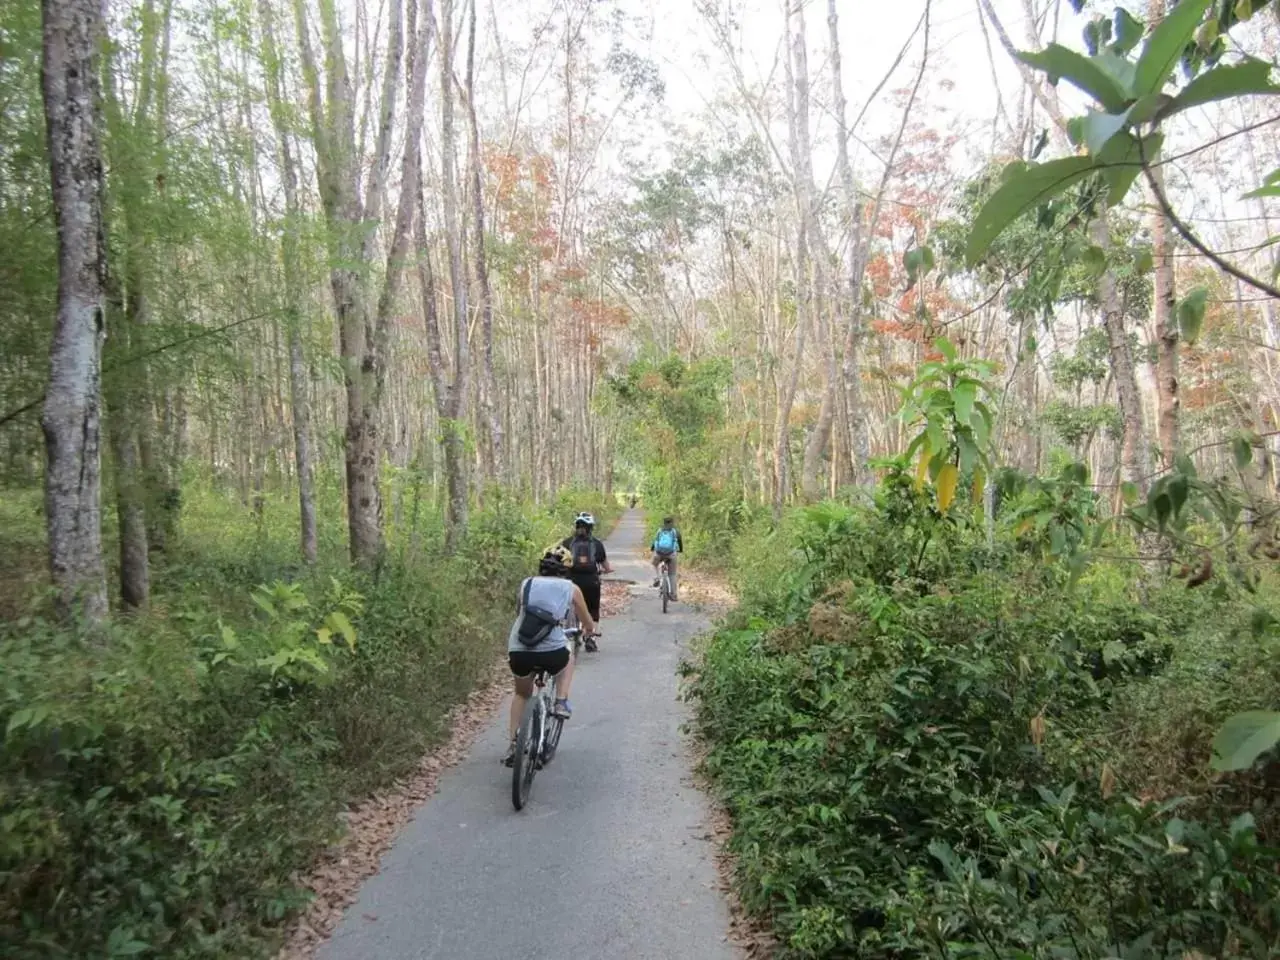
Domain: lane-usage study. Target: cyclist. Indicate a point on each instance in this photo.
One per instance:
(666, 544)
(551, 595)
(589, 561)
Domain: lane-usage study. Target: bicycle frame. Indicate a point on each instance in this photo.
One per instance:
(664, 582)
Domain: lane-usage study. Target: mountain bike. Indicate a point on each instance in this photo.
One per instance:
(537, 738)
(540, 729)
(664, 582)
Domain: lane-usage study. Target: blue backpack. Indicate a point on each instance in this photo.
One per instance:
(665, 542)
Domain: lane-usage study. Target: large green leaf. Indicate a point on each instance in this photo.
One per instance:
(1084, 72)
(1222, 83)
(1165, 45)
(1098, 128)
(1128, 32)
(1121, 161)
(1244, 738)
(963, 397)
(1122, 71)
(1270, 188)
(1018, 194)
(1191, 313)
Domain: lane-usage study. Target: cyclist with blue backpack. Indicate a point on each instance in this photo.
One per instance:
(666, 544)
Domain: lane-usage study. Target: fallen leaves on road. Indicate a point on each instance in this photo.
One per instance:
(707, 591)
(615, 597)
(373, 824)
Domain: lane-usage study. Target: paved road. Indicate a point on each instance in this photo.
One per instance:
(606, 862)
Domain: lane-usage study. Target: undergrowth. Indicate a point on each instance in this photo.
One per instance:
(933, 744)
(162, 787)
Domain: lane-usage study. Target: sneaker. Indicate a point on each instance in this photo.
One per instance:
(591, 645)
(656, 581)
(562, 709)
(510, 758)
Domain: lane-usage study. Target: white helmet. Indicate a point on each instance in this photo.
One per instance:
(586, 518)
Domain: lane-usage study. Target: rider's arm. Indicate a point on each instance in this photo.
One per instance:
(679, 542)
(584, 614)
(605, 565)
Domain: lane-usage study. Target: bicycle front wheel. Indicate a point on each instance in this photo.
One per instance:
(528, 744)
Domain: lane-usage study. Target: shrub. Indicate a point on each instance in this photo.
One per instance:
(918, 736)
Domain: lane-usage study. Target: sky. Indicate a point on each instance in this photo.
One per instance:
(871, 36)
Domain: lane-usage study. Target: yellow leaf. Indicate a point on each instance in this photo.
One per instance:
(1107, 782)
(922, 468)
(979, 485)
(1037, 729)
(947, 478)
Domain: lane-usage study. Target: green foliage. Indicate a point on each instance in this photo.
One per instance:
(948, 405)
(160, 791)
(1075, 424)
(1087, 362)
(673, 423)
(1123, 136)
(934, 747)
(1244, 738)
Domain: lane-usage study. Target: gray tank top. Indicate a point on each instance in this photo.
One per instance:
(550, 593)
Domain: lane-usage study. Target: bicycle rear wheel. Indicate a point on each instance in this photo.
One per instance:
(528, 739)
(666, 591)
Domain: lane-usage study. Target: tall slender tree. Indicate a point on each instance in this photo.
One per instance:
(73, 39)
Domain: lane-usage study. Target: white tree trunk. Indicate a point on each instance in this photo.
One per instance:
(455, 448)
(73, 35)
(299, 402)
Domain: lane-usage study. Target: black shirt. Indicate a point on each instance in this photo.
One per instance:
(581, 576)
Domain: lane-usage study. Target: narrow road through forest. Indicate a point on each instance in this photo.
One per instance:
(608, 860)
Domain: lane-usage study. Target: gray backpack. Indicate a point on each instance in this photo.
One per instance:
(536, 623)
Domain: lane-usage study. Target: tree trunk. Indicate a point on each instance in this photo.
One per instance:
(1133, 440)
(480, 261)
(131, 494)
(339, 173)
(798, 126)
(1164, 307)
(858, 440)
(1167, 334)
(73, 35)
(455, 448)
(298, 401)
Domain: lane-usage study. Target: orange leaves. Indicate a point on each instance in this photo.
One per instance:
(880, 275)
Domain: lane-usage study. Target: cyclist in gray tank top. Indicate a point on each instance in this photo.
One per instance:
(552, 594)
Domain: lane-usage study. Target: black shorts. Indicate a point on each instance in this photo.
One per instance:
(524, 662)
(591, 594)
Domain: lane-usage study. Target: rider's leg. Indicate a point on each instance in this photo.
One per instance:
(564, 680)
(671, 572)
(654, 563)
(523, 691)
(591, 594)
